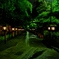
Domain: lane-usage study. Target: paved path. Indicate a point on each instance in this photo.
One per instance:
(21, 50)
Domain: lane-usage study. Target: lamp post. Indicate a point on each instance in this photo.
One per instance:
(9, 31)
(51, 28)
(5, 29)
(16, 30)
(49, 38)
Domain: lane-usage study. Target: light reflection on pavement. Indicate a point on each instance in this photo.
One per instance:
(23, 51)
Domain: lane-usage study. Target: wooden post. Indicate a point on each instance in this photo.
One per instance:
(5, 39)
(16, 32)
(5, 29)
(13, 33)
(16, 29)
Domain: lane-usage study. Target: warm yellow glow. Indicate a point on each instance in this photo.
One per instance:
(19, 29)
(4, 28)
(16, 29)
(22, 29)
(52, 28)
(13, 29)
(48, 28)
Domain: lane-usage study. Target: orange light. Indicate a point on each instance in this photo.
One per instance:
(16, 29)
(48, 28)
(13, 29)
(52, 28)
(4, 28)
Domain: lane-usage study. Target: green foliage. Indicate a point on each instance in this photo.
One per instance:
(22, 11)
(44, 10)
(15, 10)
(55, 6)
(33, 25)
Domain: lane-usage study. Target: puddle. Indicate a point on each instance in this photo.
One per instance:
(36, 54)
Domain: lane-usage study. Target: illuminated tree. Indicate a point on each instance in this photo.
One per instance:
(43, 9)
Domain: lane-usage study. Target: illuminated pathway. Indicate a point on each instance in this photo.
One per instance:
(22, 51)
(27, 38)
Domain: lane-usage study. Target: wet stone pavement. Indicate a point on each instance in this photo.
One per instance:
(27, 46)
